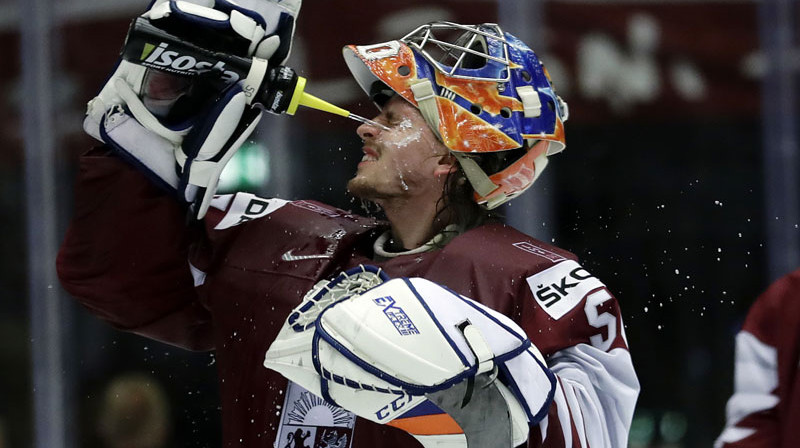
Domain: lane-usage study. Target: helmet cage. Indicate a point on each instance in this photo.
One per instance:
(423, 39)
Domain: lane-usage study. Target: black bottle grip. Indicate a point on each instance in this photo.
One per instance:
(153, 47)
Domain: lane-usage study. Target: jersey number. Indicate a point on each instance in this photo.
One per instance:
(593, 303)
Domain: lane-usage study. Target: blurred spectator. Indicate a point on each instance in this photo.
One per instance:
(134, 413)
(764, 410)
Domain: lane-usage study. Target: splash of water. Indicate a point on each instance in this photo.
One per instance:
(412, 137)
(367, 121)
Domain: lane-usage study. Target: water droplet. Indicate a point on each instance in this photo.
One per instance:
(367, 121)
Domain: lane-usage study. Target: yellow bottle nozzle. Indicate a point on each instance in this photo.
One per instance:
(300, 98)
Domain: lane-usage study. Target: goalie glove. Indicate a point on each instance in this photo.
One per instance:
(182, 130)
(411, 347)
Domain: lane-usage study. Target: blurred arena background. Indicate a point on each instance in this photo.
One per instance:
(678, 188)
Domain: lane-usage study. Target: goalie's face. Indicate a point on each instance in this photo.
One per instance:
(405, 161)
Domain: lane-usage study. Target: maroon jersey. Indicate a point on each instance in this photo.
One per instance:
(229, 285)
(764, 410)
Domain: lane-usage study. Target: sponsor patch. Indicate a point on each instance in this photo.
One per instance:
(561, 288)
(163, 58)
(402, 323)
(308, 421)
(317, 208)
(536, 250)
(246, 207)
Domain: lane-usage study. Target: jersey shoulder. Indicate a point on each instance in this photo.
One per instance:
(236, 209)
(275, 236)
(782, 293)
(776, 311)
(541, 285)
(504, 247)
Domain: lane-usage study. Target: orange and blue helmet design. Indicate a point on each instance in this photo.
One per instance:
(484, 90)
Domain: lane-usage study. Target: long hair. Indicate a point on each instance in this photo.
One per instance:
(457, 204)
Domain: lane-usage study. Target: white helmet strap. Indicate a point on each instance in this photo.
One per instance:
(426, 100)
(475, 174)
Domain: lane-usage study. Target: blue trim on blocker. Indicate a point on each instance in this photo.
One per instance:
(315, 354)
(512, 384)
(508, 380)
(338, 379)
(323, 383)
(326, 375)
(439, 325)
(485, 313)
(413, 389)
(513, 353)
(552, 377)
(362, 268)
(326, 394)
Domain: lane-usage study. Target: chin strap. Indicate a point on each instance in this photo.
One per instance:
(426, 101)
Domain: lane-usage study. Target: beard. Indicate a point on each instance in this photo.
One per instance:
(363, 189)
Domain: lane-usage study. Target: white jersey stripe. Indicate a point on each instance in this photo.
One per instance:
(755, 381)
(570, 392)
(601, 421)
(563, 414)
(543, 427)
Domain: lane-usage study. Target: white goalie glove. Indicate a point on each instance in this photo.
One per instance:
(392, 351)
(182, 130)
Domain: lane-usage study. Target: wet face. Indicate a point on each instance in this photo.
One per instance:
(402, 162)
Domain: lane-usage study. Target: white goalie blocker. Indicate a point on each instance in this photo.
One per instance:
(377, 347)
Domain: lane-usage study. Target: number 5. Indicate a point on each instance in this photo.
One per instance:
(593, 302)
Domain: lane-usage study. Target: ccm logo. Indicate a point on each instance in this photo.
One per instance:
(550, 295)
(398, 403)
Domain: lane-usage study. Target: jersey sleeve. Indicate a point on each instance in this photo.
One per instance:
(760, 411)
(576, 323)
(125, 255)
(751, 412)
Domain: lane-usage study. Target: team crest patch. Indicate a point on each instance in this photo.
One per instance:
(308, 421)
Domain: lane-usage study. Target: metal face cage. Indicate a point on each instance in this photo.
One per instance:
(452, 47)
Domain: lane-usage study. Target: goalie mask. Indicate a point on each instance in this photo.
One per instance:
(481, 91)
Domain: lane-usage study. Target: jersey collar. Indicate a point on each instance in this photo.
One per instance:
(439, 240)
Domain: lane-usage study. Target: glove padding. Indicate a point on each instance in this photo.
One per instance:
(179, 130)
(251, 28)
(403, 340)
